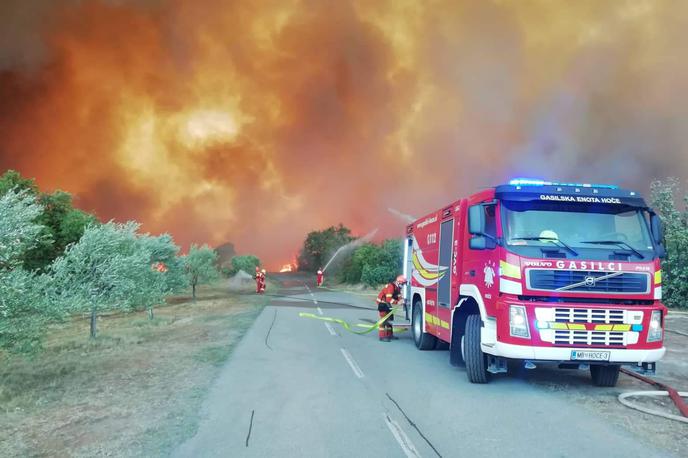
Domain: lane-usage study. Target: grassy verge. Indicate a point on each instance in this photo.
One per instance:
(134, 391)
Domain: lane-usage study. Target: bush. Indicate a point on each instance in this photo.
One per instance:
(675, 265)
(373, 264)
(320, 245)
(247, 263)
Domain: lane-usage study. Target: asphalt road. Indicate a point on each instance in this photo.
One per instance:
(300, 387)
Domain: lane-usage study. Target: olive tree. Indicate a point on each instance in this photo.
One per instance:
(168, 273)
(25, 309)
(200, 266)
(19, 231)
(107, 269)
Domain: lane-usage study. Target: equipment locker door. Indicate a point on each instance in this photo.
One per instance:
(444, 282)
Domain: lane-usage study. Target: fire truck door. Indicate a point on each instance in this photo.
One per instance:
(443, 309)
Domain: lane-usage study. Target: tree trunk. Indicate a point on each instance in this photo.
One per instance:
(94, 316)
(193, 291)
(150, 313)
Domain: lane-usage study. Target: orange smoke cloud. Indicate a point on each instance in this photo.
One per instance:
(255, 122)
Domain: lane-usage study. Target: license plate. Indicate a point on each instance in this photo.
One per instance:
(588, 355)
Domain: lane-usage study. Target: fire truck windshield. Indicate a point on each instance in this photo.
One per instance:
(581, 226)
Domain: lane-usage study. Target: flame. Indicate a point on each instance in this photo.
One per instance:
(257, 122)
(286, 268)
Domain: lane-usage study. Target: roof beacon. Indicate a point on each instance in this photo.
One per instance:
(535, 182)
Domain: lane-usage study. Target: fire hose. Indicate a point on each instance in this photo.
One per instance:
(349, 327)
(675, 396)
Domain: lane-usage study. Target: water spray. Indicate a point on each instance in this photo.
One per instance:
(351, 245)
(406, 218)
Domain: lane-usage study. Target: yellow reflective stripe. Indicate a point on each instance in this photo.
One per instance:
(622, 327)
(604, 327)
(577, 326)
(658, 277)
(426, 274)
(558, 326)
(432, 319)
(509, 270)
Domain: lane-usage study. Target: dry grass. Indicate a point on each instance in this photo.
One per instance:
(134, 391)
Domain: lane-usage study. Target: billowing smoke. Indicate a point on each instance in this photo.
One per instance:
(256, 122)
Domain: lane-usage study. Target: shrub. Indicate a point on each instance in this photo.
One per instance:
(675, 265)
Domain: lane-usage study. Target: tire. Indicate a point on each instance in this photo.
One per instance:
(476, 361)
(455, 350)
(605, 375)
(441, 345)
(423, 340)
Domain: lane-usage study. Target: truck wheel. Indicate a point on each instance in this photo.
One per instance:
(441, 345)
(456, 348)
(604, 375)
(476, 361)
(423, 340)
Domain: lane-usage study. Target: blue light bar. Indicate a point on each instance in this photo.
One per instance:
(535, 182)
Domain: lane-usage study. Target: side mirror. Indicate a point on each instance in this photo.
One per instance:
(476, 220)
(478, 242)
(657, 228)
(661, 252)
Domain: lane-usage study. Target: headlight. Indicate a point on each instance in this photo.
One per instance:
(518, 321)
(654, 334)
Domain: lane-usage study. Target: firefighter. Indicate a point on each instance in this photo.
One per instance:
(390, 295)
(259, 282)
(262, 281)
(320, 277)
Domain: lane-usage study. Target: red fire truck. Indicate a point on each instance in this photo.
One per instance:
(536, 271)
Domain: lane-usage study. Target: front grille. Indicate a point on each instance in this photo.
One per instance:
(580, 315)
(580, 281)
(589, 338)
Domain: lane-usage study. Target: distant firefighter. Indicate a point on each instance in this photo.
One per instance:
(320, 277)
(261, 288)
(260, 280)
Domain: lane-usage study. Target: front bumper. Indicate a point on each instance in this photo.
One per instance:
(618, 355)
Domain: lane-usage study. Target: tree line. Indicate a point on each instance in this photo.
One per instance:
(368, 263)
(56, 260)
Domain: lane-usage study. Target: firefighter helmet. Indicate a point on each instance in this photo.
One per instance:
(263, 271)
(401, 280)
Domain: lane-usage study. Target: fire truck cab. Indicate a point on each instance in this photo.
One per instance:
(536, 271)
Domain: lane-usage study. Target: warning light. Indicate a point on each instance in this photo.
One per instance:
(536, 182)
